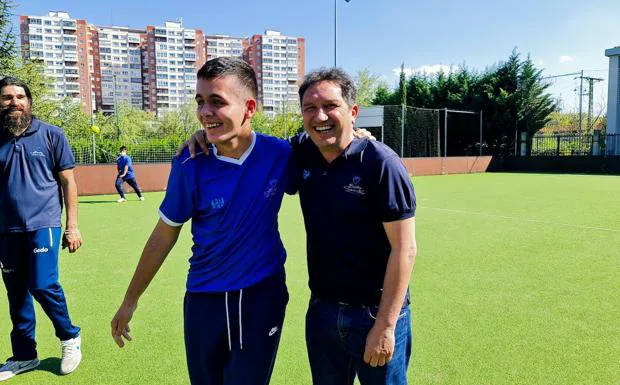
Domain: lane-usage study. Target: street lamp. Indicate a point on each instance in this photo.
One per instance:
(336, 31)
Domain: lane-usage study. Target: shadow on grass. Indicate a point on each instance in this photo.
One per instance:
(97, 202)
(51, 365)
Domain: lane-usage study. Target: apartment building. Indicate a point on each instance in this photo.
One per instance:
(279, 62)
(171, 57)
(225, 46)
(153, 68)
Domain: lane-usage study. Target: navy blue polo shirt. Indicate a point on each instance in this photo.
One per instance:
(345, 204)
(30, 192)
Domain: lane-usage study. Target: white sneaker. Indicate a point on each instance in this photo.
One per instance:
(141, 198)
(121, 200)
(12, 368)
(71, 355)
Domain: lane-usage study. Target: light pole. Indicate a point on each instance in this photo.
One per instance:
(118, 127)
(336, 31)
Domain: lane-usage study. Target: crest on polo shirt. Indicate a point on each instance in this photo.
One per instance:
(354, 187)
(306, 174)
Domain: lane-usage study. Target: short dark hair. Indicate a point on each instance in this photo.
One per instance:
(229, 66)
(12, 81)
(123, 148)
(334, 75)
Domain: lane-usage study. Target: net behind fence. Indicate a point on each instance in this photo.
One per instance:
(410, 132)
(94, 149)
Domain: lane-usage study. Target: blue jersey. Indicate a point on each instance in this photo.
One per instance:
(234, 208)
(121, 162)
(30, 194)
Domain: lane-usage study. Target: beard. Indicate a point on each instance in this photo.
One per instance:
(15, 124)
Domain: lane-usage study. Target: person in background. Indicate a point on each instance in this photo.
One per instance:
(126, 174)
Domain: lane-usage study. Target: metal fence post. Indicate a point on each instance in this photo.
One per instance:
(523, 144)
(596, 147)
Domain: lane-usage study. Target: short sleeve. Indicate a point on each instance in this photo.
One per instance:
(178, 204)
(63, 156)
(397, 199)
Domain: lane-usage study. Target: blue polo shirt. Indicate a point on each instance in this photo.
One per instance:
(233, 205)
(344, 204)
(121, 162)
(30, 193)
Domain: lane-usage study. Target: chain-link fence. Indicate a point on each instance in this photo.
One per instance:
(93, 149)
(422, 132)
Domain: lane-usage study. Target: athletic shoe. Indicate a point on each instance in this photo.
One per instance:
(121, 200)
(71, 355)
(12, 368)
(141, 198)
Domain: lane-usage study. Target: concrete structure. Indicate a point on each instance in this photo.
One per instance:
(279, 62)
(613, 101)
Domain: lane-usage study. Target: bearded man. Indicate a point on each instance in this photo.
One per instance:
(36, 176)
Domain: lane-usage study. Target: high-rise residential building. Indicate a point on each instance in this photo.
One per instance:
(279, 62)
(153, 68)
(53, 39)
(225, 46)
(117, 67)
(171, 57)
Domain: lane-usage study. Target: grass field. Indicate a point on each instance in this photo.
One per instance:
(516, 282)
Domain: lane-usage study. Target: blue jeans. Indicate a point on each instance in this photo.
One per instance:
(336, 339)
(30, 269)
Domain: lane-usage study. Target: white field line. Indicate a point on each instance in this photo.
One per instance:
(522, 219)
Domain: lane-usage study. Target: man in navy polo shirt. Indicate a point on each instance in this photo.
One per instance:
(124, 167)
(36, 174)
(358, 205)
(236, 294)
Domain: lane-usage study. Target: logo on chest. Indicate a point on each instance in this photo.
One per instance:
(354, 187)
(272, 189)
(217, 203)
(306, 174)
(37, 152)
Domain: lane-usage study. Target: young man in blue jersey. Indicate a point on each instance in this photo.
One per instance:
(236, 294)
(36, 174)
(359, 206)
(126, 173)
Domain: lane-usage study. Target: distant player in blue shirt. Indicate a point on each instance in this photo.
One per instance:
(236, 294)
(126, 174)
(36, 175)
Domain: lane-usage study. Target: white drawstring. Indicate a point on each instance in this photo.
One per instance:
(240, 327)
(240, 322)
(228, 323)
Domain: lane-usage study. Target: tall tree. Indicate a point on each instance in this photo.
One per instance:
(366, 84)
(8, 44)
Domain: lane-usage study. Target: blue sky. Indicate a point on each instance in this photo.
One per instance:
(561, 36)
